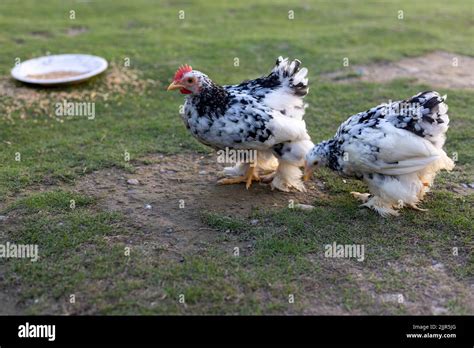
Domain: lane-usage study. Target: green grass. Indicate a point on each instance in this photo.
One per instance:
(51, 201)
(78, 251)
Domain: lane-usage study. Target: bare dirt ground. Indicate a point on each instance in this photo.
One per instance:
(174, 191)
(437, 69)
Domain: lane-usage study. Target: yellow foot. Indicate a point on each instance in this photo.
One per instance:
(249, 176)
(234, 180)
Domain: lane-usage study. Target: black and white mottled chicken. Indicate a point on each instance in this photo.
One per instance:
(265, 114)
(396, 148)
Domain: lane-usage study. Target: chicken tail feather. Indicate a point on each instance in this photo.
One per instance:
(290, 74)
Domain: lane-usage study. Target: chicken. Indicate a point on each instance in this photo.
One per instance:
(395, 148)
(263, 115)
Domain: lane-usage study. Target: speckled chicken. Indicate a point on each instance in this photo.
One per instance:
(265, 114)
(396, 148)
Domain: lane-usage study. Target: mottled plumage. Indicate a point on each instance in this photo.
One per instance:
(395, 148)
(264, 114)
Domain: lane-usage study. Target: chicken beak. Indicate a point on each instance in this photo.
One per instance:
(174, 85)
(308, 172)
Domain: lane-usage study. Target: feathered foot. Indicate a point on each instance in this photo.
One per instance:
(363, 197)
(249, 176)
(380, 206)
(288, 177)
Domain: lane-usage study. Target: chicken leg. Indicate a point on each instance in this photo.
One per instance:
(249, 176)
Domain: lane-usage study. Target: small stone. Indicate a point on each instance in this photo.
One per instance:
(306, 207)
(169, 230)
(3, 217)
(147, 206)
(344, 181)
(471, 185)
(464, 185)
(133, 182)
(202, 172)
(254, 222)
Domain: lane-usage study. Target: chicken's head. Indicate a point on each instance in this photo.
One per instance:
(317, 157)
(187, 80)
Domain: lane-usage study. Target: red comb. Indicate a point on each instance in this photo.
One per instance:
(183, 69)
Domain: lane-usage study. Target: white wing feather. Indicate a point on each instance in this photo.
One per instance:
(391, 151)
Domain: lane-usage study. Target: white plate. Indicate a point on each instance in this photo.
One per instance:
(59, 69)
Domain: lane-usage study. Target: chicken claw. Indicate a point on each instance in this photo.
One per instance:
(249, 176)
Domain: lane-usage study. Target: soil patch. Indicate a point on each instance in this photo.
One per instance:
(438, 69)
(172, 194)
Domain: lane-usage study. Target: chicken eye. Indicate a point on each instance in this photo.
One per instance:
(190, 80)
